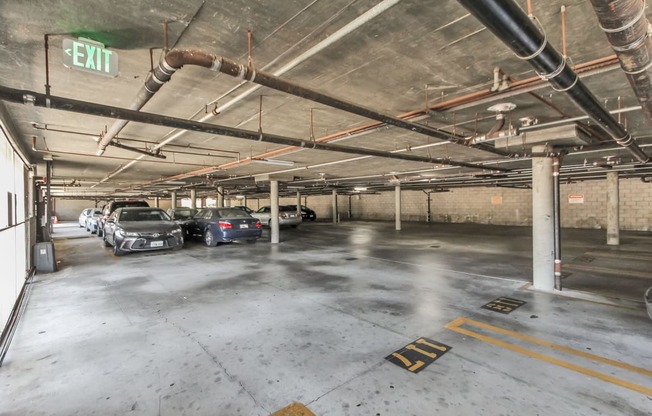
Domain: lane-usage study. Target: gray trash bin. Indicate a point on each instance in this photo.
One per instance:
(44, 257)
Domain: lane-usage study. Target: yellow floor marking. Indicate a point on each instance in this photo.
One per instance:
(295, 409)
(455, 326)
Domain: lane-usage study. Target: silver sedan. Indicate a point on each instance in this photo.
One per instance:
(287, 215)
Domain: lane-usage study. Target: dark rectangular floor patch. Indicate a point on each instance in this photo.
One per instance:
(504, 305)
(418, 354)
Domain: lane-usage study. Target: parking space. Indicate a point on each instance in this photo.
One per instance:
(252, 328)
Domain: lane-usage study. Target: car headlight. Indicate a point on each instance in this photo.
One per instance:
(177, 231)
(122, 233)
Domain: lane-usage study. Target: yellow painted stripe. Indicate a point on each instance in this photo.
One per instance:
(455, 326)
(560, 347)
(295, 409)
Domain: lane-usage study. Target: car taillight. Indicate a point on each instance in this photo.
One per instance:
(225, 224)
(259, 224)
(282, 215)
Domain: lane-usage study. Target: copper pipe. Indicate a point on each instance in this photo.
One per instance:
(440, 106)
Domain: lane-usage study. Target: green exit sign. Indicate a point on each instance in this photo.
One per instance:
(89, 56)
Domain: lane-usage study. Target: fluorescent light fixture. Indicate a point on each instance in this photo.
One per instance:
(276, 162)
(359, 189)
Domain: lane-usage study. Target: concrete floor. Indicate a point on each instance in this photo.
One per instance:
(248, 329)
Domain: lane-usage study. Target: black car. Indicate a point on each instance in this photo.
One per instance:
(244, 208)
(182, 216)
(182, 213)
(306, 213)
(141, 229)
(224, 225)
(112, 206)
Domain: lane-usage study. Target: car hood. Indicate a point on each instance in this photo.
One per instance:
(148, 226)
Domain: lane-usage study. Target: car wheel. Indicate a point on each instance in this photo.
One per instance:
(209, 238)
(252, 241)
(100, 232)
(116, 250)
(295, 225)
(106, 243)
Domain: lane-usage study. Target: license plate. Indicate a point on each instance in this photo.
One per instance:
(244, 225)
(156, 244)
(292, 215)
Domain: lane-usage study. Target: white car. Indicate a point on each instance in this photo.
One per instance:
(287, 215)
(92, 220)
(88, 212)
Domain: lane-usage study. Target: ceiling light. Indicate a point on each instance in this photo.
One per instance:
(277, 162)
(359, 189)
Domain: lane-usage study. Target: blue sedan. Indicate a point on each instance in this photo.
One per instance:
(224, 225)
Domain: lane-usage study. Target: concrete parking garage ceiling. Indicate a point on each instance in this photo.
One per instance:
(432, 61)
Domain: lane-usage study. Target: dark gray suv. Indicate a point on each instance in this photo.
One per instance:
(112, 206)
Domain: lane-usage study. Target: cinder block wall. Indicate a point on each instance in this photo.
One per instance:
(503, 206)
(69, 209)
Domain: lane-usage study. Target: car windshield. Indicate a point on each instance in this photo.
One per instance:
(144, 215)
(232, 213)
(184, 213)
(286, 208)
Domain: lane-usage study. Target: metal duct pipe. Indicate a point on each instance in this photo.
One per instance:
(276, 83)
(511, 25)
(556, 198)
(175, 59)
(628, 32)
(67, 104)
(499, 124)
(172, 61)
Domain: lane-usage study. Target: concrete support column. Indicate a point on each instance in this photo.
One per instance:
(244, 201)
(227, 202)
(334, 206)
(397, 206)
(299, 203)
(543, 258)
(173, 199)
(273, 197)
(613, 209)
(193, 198)
(220, 197)
(156, 202)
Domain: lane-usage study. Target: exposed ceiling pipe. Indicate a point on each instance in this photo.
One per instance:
(67, 104)
(628, 32)
(511, 25)
(518, 87)
(137, 150)
(334, 37)
(175, 59)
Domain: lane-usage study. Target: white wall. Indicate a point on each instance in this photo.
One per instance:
(13, 235)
